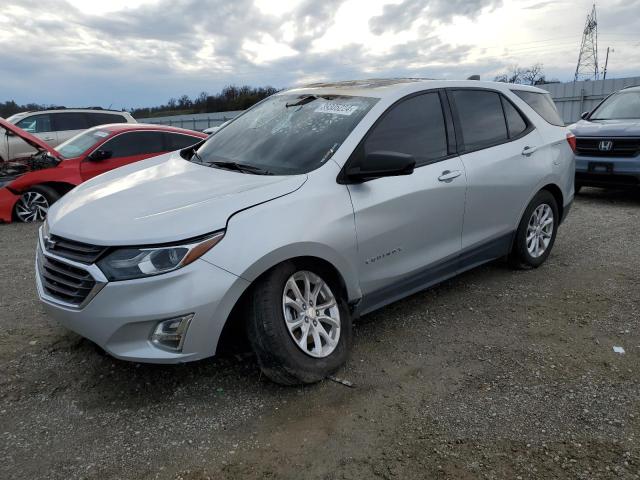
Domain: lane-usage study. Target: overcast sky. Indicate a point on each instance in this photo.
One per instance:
(132, 53)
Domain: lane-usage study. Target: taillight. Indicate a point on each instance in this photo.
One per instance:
(571, 138)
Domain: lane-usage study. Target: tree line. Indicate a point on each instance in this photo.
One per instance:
(230, 98)
(533, 75)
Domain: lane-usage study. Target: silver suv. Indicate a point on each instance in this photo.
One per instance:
(316, 205)
(54, 127)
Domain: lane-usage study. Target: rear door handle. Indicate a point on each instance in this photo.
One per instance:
(449, 175)
(48, 139)
(526, 151)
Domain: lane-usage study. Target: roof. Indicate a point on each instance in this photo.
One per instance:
(129, 127)
(396, 87)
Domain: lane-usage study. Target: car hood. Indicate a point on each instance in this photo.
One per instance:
(32, 140)
(160, 200)
(606, 128)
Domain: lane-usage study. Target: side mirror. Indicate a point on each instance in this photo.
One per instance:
(584, 115)
(380, 164)
(99, 155)
(9, 133)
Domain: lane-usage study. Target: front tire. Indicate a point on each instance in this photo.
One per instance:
(298, 324)
(34, 204)
(536, 233)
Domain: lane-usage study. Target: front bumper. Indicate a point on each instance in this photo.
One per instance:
(121, 316)
(608, 171)
(8, 201)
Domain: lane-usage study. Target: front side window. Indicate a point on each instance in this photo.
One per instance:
(622, 105)
(481, 119)
(543, 105)
(76, 146)
(70, 121)
(36, 124)
(414, 126)
(134, 143)
(286, 134)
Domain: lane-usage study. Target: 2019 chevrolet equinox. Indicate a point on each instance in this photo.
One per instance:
(316, 205)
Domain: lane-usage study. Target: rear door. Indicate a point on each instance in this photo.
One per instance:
(409, 227)
(123, 149)
(493, 138)
(39, 125)
(69, 124)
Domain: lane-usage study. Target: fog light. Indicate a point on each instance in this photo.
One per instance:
(170, 334)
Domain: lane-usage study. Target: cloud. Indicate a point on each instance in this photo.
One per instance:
(401, 16)
(54, 52)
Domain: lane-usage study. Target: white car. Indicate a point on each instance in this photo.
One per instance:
(316, 205)
(54, 127)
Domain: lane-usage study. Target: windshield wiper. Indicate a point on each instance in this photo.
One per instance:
(302, 101)
(241, 167)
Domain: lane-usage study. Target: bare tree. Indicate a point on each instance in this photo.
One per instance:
(533, 75)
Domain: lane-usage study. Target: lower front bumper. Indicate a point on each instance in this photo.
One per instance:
(8, 202)
(123, 315)
(608, 172)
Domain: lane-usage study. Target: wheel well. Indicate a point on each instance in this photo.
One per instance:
(60, 187)
(557, 194)
(233, 336)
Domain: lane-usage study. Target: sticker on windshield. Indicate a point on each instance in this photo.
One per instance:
(101, 134)
(337, 108)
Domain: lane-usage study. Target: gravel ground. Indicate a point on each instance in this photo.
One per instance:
(494, 374)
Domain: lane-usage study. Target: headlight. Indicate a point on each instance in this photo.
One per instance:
(129, 263)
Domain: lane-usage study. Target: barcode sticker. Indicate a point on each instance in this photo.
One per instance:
(336, 108)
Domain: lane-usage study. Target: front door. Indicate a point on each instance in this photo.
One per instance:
(39, 125)
(123, 149)
(409, 227)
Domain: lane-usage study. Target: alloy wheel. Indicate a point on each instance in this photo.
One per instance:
(540, 230)
(32, 207)
(311, 314)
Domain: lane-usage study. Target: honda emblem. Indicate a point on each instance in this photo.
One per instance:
(605, 146)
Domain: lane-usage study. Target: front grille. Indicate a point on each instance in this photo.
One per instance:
(76, 251)
(622, 147)
(63, 281)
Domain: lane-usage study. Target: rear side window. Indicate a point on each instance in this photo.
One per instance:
(515, 122)
(415, 127)
(70, 121)
(104, 118)
(36, 124)
(176, 141)
(543, 105)
(135, 143)
(481, 119)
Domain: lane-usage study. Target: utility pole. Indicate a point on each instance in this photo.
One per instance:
(606, 62)
(587, 68)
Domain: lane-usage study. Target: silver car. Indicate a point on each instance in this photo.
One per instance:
(315, 206)
(54, 127)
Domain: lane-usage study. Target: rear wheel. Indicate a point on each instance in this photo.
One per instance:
(536, 233)
(298, 324)
(34, 204)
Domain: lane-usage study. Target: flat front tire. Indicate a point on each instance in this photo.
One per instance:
(298, 324)
(536, 233)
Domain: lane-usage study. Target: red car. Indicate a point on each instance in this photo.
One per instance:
(28, 187)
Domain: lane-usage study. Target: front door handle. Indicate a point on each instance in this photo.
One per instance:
(526, 151)
(48, 139)
(449, 175)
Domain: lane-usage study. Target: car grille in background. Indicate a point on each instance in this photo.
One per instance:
(622, 147)
(63, 281)
(76, 251)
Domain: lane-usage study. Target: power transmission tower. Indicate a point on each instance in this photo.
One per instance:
(587, 68)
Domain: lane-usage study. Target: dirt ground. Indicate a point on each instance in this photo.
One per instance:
(494, 374)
